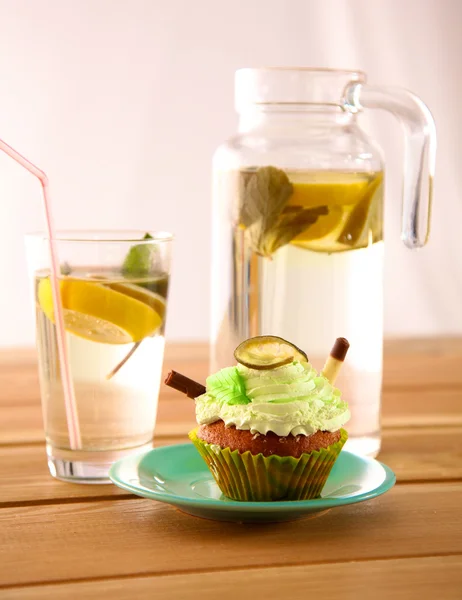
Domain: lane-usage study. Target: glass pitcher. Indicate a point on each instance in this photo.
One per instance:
(298, 223)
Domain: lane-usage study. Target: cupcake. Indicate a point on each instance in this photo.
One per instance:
(270, 427)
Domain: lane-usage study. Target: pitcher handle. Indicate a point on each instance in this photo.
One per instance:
(419, 153)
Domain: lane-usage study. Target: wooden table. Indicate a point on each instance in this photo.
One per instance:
(60, 540)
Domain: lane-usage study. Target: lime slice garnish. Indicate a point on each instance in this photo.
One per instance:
(267, 352)
(98, 313)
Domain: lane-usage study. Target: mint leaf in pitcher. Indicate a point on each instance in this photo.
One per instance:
(264, 194)
(291, 223)
(269, 221)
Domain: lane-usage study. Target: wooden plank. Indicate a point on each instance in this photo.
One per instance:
(434, 345)
(409, 364)
(23, 424)
(419, 363)
(25, 478)
(400, 579)
(190, 351)
(414, 455)
(121, 537)
(423, 454)
(436, 364)
(420, 407)
(20, 384)
(199, 349)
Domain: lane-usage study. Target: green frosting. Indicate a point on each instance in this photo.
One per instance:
(290, 399)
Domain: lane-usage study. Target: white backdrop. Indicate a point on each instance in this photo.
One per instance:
(122, 102)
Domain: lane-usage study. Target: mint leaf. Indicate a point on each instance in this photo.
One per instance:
(139, 260)
(227, 386)
(268, 221)
(290, 224)
(66, 269)
(264, 194)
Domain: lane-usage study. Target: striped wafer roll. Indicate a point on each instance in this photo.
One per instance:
(335, 360)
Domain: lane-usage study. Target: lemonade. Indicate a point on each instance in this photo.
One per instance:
(307, 266)
(115, 339)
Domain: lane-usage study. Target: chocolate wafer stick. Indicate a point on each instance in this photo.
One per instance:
(335, 360)
(180, 382)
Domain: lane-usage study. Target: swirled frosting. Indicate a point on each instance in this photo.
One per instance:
(292, 399)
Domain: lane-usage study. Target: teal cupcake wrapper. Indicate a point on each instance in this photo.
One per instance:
(250, 477)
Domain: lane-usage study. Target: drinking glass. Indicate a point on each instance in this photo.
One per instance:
(113, 288)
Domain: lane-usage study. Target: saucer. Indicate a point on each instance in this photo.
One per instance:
(178, 476)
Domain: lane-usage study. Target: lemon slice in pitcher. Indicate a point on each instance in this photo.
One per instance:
(267, 352)
(326, 225)
(363, 216)
(334, 189)
(98, 313)
(352, 204)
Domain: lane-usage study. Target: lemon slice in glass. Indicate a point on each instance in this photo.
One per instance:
(98, 313)
(155, 301)
(267, 352)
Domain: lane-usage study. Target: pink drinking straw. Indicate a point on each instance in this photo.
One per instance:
(69, 396)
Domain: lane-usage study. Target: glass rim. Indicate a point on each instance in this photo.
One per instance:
(319, 70)
(102, 236)
(295, 87)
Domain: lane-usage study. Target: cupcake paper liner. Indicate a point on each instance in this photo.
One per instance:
(250, 477)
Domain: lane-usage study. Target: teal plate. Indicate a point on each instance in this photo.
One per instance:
(177, 475)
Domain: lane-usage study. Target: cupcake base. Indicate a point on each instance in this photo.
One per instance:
(248, 477)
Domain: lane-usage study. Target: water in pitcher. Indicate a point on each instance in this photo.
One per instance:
(307, 266)
(116, 379)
